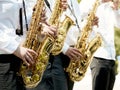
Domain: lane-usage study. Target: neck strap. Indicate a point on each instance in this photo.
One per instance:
(24, 8)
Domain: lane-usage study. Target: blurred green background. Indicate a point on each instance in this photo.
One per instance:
(78, 1)
(117, 41)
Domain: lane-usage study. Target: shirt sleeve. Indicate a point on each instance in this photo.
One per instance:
(65, 48)
(117, 18)
(9, 22)
(8, 44)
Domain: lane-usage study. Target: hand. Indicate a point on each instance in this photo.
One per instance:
(43, 16)
(64, 4)
(73, 53)
(48, 29)
(116, 4)
(26, 55)
(95, 21)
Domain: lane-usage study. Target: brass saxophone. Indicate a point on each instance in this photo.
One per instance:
(48, 42)
(62, 27)
(32, 75)
(62, 32)
(78, 68)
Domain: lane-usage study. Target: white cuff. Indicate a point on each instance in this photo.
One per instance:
(10, 47)
(65, 48)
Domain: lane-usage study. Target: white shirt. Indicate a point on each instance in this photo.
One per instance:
(108, 18)
(9, 16)
(85, 6)
(29, 5)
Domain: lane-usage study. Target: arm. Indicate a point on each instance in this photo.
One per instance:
(47, 29)
(117, 18)
(71, 52)
(116, 12)
(8, 44)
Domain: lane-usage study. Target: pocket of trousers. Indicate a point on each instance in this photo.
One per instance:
(4, 68)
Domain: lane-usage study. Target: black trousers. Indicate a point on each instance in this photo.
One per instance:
(55, 77)
(61, 79)
(103, 74)
(9, 66)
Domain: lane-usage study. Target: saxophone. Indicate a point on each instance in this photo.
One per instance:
(32, 75)
(63, 27)
(62, 32)
(78, 68)
(55, 45)
(48, 41)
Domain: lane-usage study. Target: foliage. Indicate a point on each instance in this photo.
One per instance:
(78, 1)
(117, 42)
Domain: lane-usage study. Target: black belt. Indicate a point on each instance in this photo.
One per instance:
(111, 60)
(12, 60)
(6, 58)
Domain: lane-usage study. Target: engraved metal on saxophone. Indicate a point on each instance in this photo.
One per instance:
(32, 75)
(62, 31)
(78, 68)
(62, 27)
(49, 41)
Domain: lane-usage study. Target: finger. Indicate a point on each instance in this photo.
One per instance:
(33, 52)
(43, 14)
(53, 27)
(26, 63)
(44, 11)
(64, 4)
(77, 52)
(43, 19)
(77, 55)
(73, 56)
(64, 1)
(64, 7)
(54, 31)
(70, 56)
(30, 58)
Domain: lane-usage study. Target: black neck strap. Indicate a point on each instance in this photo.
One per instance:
(48, 4)
(19, 31)
(73, 13)
(25, 15)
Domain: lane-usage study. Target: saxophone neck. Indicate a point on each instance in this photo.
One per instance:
(56, 13)
(67, 23)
